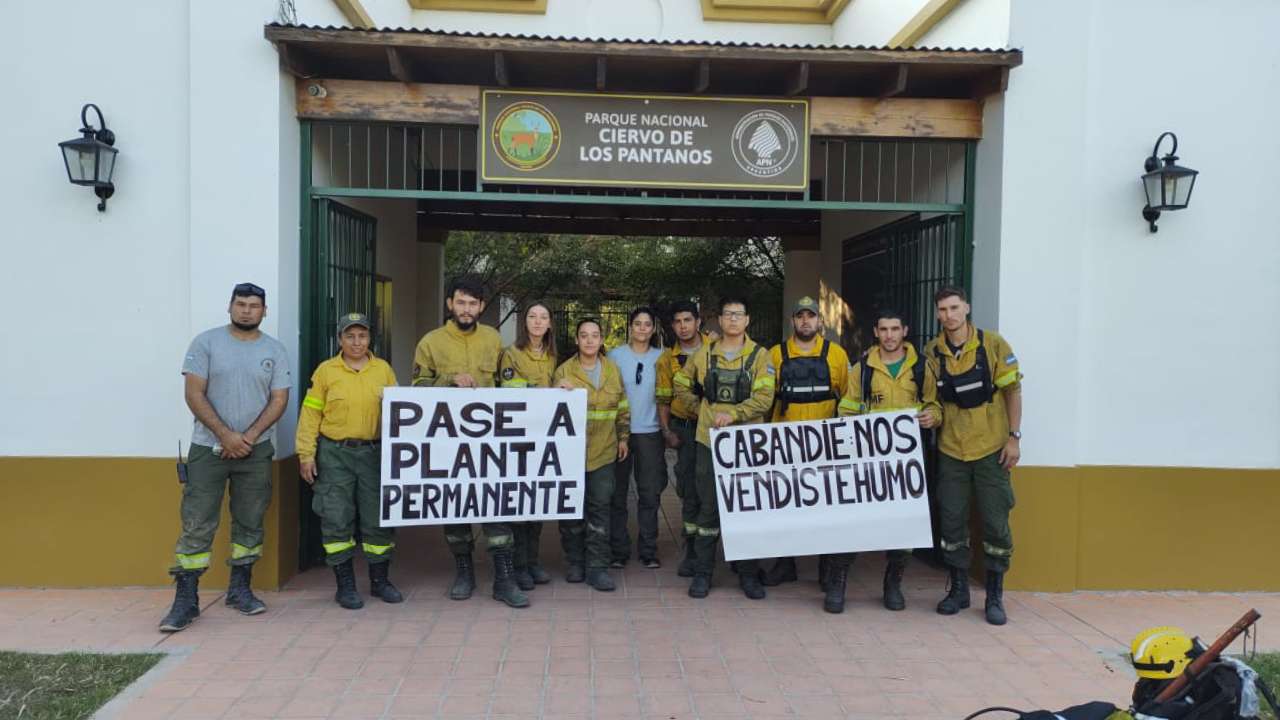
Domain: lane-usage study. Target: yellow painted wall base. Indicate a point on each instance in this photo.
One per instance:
(1145, 528)
(85, 522)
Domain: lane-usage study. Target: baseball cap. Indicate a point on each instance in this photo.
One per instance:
(350, 319)
(248, 289)
(806, 303)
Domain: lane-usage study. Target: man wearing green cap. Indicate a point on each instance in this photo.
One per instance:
(339, 454)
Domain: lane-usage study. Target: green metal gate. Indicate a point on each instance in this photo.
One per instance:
(341, 277)
(900, 266)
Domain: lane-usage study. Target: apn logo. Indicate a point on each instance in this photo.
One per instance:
(765, 143)
(526, 136)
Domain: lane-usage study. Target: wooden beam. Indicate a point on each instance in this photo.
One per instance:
(354, 12)
(460, 105)
(896, 118)
(994, 82)
(798, 82)
(292, 62)
(703, 80)
(388, 101)
(335, 39)
(895, 83)
(930, 15)
(500, 70)
(399, 68)
(601, 70)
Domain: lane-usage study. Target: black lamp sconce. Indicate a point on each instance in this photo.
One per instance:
(91, 159)
(1167, 186)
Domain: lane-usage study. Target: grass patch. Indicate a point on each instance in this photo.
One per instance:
(1268, 667)
(65, 686)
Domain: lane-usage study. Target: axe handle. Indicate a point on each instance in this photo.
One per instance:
(1209, 656)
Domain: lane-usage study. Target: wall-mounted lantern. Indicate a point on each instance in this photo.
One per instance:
(1168, 186)
(91, 159)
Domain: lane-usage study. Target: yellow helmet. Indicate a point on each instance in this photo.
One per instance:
(1161, 652)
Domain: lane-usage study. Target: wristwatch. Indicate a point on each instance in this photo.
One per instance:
(1015, 434)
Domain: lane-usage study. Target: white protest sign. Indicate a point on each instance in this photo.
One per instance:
(462, 455)
(823, 486)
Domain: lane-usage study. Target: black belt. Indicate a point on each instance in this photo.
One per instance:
(352, 443)
(686, 422)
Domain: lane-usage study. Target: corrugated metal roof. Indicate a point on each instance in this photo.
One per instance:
(644, 41)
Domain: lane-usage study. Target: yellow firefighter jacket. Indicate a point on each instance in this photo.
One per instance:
(608, 412)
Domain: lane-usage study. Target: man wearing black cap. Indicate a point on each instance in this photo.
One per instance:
(237, 386)
(339, 453)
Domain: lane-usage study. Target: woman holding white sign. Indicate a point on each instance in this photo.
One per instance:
(530, 362)
(586, 541)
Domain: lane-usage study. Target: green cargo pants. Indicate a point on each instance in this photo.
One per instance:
(586, 541)
(207, 479)
(708, 519)
(844, 560)
(527, 536)
(648, 458)
(686, 473)
(984, 477)
(462, 541)
(348, 484)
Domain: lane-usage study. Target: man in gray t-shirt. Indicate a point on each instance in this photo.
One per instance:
(237, 382)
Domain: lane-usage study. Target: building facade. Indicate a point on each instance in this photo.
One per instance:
(1138, 472)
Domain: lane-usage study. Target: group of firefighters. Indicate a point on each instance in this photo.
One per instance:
(641, 400)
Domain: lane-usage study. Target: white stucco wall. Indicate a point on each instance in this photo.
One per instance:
(1124, 335)
(195, 98)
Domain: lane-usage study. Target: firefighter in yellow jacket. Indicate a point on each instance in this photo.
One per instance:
(731, 381)
(586, 541)
(339, 454)
(973, 382)
(463, 353)
(812, 373)
(529, 363)
(890, 376)
(678, 419)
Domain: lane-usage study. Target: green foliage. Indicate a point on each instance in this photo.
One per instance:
(1268, 667)
(69, 685)
(591, 270)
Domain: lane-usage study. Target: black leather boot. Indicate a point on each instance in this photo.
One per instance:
(995, 598)
(186, 602)
(700, 586)
(464, 583)
(239, 593)
(783, 570)
(600, 579)
(750, 584)
(346, 594)
(837, 581)
(380, 585)
(893, 598)
(957, 597)
(504, 580)
(824, 568)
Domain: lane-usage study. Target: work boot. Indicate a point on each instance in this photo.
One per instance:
(995, 598)
(186, 602)
(600, 579)
(686, 565)
(575, 574)
(837, 581)
(700, 586)
(464, 583)
(957, 597)
(346, 595)
(504, 581)
(893, 599)
(524, 579)
(540, 576)
(783, 570)
(824, 567)
(380, 586)
(751, 587)
(239, 595)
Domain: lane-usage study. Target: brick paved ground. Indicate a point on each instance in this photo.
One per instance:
(645, 651)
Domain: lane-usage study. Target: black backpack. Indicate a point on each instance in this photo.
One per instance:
(917, 376)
